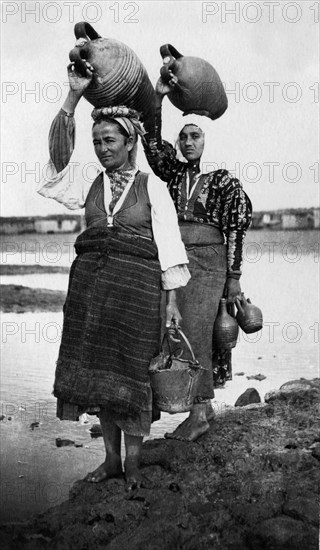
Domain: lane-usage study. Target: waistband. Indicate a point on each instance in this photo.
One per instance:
(200, 234)
(113, 239)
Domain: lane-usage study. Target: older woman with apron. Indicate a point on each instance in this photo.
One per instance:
(214, 213)
(130, 250)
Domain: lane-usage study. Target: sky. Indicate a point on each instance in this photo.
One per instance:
(266, 53)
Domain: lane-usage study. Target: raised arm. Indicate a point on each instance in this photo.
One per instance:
(62, 131)
(62, 181)
(160, 154)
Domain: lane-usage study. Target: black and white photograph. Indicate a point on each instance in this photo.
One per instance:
(160, 216)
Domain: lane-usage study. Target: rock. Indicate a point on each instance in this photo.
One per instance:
(257, 377)
(2, 417)
(316, 451)
(282, 533)
(64, 442)
(296, 391)
(174, 487)
(248, 397)
(288, 459)
(96, 430)
(239, 373)
(295, 385)
(34, 425)
(305, 509)
(291, 444)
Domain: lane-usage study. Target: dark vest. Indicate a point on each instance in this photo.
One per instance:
(134, 214)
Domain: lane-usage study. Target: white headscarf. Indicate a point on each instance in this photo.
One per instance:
(206, 125)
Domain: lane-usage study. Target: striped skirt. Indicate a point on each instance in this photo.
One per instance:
(111, 323)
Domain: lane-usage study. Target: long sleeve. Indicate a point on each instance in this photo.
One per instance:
(172, 254)
(63, 180)
(160, 154)
(61, 139)
(236, 213)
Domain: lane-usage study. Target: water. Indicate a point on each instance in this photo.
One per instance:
(280, 274)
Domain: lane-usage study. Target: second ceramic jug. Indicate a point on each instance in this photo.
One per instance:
(225, 328)
(248, 316)
(119, 77)
(199, 89)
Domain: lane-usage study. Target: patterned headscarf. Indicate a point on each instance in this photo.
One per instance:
(126, 117)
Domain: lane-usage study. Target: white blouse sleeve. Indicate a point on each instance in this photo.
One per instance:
(166, 232)
(70, 186)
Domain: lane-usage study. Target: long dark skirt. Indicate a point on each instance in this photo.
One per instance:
(111, 323)
(199, 301)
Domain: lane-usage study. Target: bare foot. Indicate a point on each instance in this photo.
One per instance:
(189, 430)
(210, 414)
(109, 468)
(132, 474)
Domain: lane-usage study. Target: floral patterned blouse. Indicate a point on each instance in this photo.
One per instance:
(218, 198)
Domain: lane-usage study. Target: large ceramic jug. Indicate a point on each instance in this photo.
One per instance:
(248, 316)
(199, 89)
(119, 77)
(225, 328)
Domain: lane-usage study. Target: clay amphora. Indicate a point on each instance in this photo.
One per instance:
(248, 316)
(225, 328)
(119, 77)
(199, 89)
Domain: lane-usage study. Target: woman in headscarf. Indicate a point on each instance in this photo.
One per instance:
(131, 248)
(214, 213)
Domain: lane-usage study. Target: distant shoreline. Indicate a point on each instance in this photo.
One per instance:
(20, 299)
(13, 269)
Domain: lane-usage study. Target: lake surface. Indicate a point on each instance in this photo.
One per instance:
(280, 275)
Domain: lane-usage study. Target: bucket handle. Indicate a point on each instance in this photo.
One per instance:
(179, 331)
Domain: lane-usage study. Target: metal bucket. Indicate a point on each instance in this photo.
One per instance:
(174, 380)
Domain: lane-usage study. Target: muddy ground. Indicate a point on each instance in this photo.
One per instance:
(250, 483)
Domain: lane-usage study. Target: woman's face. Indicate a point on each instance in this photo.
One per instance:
(111, 147)
(191, 142)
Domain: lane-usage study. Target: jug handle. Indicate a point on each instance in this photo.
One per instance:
(169, 51)
(230, 307)
(239, 305)
(170, 54)
(85, 30)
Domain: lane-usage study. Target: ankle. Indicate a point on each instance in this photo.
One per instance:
(112, 458)
(198, 412)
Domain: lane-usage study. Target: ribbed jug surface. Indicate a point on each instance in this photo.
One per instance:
(225, 329)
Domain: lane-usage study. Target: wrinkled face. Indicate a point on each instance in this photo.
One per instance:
(111, 147)
(191, 142)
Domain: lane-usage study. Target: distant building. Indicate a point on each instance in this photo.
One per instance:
(14, 226)
(271, 220)
(316, 218)
(257, 220)
(298, 220)
(56, 225)
(71, 223)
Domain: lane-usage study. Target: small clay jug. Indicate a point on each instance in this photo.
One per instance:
(248, 316)
(119, 78)
(199, 89)
(225, 328)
